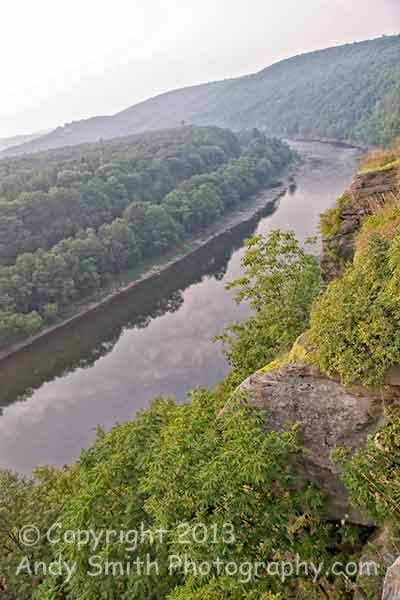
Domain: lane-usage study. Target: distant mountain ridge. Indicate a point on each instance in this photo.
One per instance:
(346, 92)
(18, 140)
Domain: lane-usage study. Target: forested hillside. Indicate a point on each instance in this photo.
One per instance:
(212, 493)
(346, 92)
(73, 219)
(20, 139)
(51, 196)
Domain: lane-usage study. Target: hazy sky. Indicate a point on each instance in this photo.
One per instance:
(64, 60)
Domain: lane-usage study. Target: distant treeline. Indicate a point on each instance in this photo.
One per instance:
(72, 219)
(47, 197)
(349, 92)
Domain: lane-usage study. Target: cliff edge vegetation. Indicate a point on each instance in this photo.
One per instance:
(354, 327)
(241, 480)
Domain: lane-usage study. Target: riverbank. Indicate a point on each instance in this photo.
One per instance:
(154, 269)
(156, 339)
(331, 142)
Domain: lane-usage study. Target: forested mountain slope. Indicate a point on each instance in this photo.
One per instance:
(346, 92)
(71, 220)
(216, 491)
(47, 197)
(17, 140)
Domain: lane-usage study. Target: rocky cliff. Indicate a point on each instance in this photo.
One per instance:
(330, 414)
(291, 390)
(367, 193)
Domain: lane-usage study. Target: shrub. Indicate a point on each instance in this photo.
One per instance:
(281, 280)
(355, 325)
(372, 475)
(330, 220)
(381, 158)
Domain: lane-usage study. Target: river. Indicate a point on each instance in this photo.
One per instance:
(155, 340)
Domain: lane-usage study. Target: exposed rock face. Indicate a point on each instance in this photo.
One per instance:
(365, 195)
(391, 587)
(378, 555)
(329, 416)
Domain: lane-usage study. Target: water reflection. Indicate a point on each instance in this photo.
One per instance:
(82, 343)
(155, 341)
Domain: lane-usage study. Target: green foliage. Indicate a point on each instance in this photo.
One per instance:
(372, 475)
(41, 285)
(348, 92)
(386, 119)
(107, 496)
(16, 327)
(190, 471)
(217, 483)
(219, 487)
(24, 503)
(382, 159)
(48, 197)
(355, 325)
(220, 589)
(389, 116)
(281, 280)
(331, 218)
(385, 223)
(386, 167)
(50, 312)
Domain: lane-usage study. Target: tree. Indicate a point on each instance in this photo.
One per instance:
(119, 245)
(280, 283)
(161, 231)
(13, 238)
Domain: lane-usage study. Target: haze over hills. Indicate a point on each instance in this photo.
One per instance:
(17, 140)
(264, 468)
(348, 92)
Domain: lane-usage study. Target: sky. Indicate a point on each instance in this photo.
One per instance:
(67, 60)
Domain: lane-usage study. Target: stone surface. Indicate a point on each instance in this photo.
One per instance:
(391, 586)
(366, 193)
(378, 555)
(393, 375)
(329, 416)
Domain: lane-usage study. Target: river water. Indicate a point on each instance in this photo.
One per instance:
(155, 340)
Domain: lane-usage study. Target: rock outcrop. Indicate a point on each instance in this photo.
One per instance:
(329, 416)
(378, 555)
(366, 194)
(391, 586)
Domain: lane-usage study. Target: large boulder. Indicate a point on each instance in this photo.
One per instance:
(329, 416)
